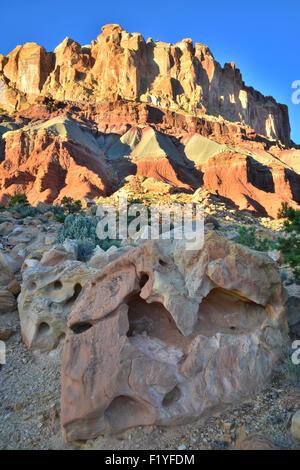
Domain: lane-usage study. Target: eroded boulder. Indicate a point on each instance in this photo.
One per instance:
(166, 336)
(9, 286)
(48, 293)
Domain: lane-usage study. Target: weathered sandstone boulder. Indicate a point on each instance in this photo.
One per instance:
(9, 286)
(164, 335)
(48, 292)
(6, 228)
(101, 258)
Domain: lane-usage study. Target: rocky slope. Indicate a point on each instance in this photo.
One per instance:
(79, 120)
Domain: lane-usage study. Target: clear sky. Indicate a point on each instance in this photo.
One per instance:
(261, 37)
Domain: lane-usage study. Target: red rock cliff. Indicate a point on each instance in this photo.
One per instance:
(183, 77)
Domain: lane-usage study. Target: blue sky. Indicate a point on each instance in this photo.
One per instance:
(261, 37)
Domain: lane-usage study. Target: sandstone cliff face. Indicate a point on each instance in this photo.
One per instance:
(79, 120)
(180, 76)
(53, 149)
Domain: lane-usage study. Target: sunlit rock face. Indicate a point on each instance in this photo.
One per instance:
(27, 67)
(79, 120)
(182, 76)
(164, 335)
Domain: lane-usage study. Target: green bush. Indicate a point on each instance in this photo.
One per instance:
(18, 199)
(56, 209)
(85, 249)
(106, 244)
(79, 227)
(71, 206)
(60, 218)
(248, 238)
(82, 228)
(290, 245)
(27, 211)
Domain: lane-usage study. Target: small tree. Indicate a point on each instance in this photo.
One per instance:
(18, 199)
(71, 206)
(290, 245)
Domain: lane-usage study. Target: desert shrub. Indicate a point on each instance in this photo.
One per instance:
(248, 238)
(85, 249)
(106, 244)
(82, 228)
(18, 199)
(60, 218)
(58, 212)
(290, 244)
(27, 211)
(71, 206)
(55, 209)
(79, 227)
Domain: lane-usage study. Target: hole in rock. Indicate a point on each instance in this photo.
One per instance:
(77, 290)
(81, 327)
(171, 397)
(32, 286)
(162, 262)
(153, 320)
(57, 285)
(43, 329)
(124, 412)
(144, 279)
(226, 312)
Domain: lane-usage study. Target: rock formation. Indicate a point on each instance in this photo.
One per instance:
(9, 286)
(180, 76)
(49, 289)
(80, 119)
(163, 335)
